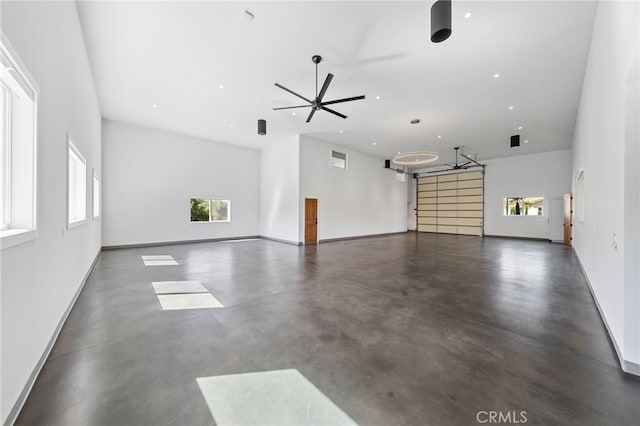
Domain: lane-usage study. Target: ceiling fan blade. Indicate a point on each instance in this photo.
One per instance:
(298, 106)
(313, 111)
(334, 112)
(337, 101)
(325, 86)
(292, 92)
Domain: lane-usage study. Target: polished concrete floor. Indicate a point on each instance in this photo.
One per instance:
(413, 329)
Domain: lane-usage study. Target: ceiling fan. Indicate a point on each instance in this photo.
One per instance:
(459, 166)
(318, 104)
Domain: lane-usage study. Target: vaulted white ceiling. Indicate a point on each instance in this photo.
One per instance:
(177, 54)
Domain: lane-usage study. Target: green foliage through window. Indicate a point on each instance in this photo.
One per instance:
(207, 210)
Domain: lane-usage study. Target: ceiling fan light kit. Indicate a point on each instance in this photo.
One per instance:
(317, 103)
(440, 21)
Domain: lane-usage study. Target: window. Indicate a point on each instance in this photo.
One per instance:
(523, 206)
(77, 186)
(579, 195)
(18, 163)
(338, 160)
(210, 210)
(96, 196)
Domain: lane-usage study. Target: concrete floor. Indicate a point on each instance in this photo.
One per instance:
(405, 329)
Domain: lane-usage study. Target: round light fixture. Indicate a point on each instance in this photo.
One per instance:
(467, 15)
(415, 157)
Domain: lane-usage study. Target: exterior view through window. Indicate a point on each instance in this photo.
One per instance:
(523, 206)
(210, 210)
(338, 160)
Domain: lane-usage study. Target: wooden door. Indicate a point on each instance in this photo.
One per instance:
(310, 220)
(568, 218)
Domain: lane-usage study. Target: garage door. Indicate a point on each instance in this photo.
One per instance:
(451, 203)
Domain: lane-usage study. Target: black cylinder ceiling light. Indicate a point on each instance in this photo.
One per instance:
(440, 21)
(262, 126)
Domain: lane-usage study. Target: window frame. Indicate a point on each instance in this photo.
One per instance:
(95, 184)
(346, 159)
(72, 148)
(5, 221)
(209, 200)
(505, 200)
(22, 228)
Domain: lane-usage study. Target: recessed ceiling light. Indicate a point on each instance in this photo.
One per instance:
(519, 127)
(341, 131)
(374, 144)
(467, 15)
(526, 141)
(293, 113)
(511, 107)
(439, 136)
(154, 106)
(220, 86)
(230, 125)
(496, 75)
(398, 152)
(378, 97)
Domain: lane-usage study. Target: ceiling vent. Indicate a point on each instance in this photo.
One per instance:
(515, 141)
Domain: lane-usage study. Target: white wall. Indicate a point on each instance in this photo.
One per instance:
(547, 174)
(602, 140)
(150, 176)
(365, 199)
(41, 277)
(279, 190)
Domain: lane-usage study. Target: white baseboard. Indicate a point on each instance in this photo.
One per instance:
(626, 366)
(22, 398)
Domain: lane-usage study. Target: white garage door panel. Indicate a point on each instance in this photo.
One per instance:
(427, 221)
(470, 199)
(469, 222)
(427, 228)
(469, 175)
(470, 184)
(469, 230)
(471, 191)
(469, 213)
(427, 187)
